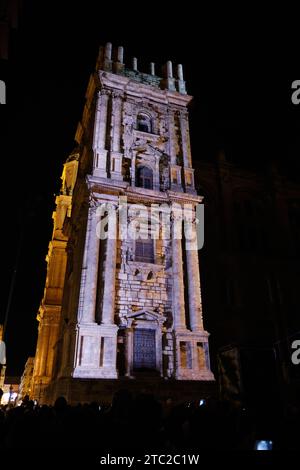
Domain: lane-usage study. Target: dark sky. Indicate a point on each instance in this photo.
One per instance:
(241, 105)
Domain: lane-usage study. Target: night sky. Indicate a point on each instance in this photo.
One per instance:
(241, 105)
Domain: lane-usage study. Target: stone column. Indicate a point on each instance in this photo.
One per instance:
(116, 124)
(110, 270)
(177, 271)
(54, 330)
(97, 344)
(185, 139)
(156, 182)
(175, 170)
(129, 351)
(158, 341)
(44, 333)
(172, 137)
(65, 349)
(89, 273)
(116, 155)
(100, 153)
(38, 349)
(132, 169)
(194, 289)
(37, 364)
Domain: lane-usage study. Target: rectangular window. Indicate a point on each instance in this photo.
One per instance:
(144, 250)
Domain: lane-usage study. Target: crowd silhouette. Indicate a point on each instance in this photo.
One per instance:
(144, 424)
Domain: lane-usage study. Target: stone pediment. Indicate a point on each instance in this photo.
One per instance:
(146, 315)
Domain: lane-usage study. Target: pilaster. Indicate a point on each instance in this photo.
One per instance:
(100, 129)
(89, 273)
(116, 155)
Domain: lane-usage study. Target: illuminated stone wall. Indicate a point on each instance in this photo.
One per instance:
(112, 298)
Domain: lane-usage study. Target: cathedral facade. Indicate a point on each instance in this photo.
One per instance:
(123, 295)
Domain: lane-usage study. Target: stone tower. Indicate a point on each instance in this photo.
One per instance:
(49, 314)
(131, 304)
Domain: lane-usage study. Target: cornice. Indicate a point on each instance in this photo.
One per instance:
(136, 89)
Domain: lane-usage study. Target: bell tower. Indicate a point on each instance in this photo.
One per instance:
(132, 295)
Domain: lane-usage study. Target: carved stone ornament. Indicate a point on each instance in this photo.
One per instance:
(144, 271)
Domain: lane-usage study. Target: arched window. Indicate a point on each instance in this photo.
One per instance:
(144, 177)
(144, 123)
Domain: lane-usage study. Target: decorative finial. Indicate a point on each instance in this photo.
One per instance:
(120, 54)
(108, 51)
